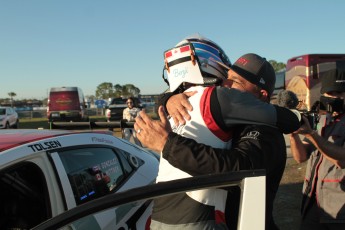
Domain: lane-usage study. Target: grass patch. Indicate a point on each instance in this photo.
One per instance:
(35, 123)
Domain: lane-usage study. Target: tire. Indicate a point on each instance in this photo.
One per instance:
(7, 126)
(15, 126)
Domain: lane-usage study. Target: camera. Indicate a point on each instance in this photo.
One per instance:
(331, 105)
(312, 117)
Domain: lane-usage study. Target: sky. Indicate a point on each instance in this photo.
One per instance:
(53, 43)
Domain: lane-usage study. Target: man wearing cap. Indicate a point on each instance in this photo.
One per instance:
(253, 146)
(323, 203)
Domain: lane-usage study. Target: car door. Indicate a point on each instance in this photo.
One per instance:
(252, 204)
(89, 173)
(10, 115)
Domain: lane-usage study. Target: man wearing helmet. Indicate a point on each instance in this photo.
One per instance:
(216, 112)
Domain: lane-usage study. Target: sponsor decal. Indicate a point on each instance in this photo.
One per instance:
(63, 101)
(242, 61)
(45, 146)
(101, 140)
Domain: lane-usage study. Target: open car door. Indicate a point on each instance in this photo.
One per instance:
(251, 210)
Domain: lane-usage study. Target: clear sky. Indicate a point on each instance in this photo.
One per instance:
(52, 43)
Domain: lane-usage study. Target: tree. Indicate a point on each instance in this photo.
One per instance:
(12, 94)
(118, 90)
(277, 65)
(91, 98)
(129, 90)
(105, 90)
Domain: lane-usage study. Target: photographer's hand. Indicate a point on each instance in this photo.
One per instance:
(297, 146)
(305, 127)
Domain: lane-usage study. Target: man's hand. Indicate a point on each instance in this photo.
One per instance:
(152, 134)
(305, 127)
(178, 107)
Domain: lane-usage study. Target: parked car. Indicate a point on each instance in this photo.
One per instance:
(116, 106)
(8, 118)
(44, 173)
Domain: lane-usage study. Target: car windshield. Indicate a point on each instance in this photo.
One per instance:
(118, 101)
(2, 111)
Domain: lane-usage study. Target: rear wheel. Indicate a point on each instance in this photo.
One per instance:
(15, 126)
(7, 126)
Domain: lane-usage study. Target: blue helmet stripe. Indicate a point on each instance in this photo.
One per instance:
(206, 51)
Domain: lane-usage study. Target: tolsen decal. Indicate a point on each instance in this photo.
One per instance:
(45, 146)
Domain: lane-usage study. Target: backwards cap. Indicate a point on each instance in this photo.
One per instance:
(195, 60)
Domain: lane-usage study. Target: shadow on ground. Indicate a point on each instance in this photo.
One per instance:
(288, 201)
(287, 206)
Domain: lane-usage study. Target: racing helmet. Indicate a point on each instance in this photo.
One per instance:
(196, 60)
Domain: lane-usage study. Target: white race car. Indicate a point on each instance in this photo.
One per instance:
(44, 173)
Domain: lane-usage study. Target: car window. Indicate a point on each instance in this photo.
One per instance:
(24, 196)
(2, 111)
(123, 101)
(118, 101)
(95, 172)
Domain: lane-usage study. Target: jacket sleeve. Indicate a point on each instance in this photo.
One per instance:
(198, 159)
(253, 147)
(287, 121)
(238, 107)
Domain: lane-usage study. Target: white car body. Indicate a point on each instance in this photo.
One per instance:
(8, 118)
(252, 205)
(44, 173)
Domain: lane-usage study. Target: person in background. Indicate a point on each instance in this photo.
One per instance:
(254, 146)
(323, 202)
(129, 114)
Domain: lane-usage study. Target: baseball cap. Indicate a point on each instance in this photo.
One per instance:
(334, 78)
(256, 70)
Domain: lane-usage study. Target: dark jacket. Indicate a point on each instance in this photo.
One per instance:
(253, 147)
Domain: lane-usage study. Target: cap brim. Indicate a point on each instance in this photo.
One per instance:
(334, 88)
(223, 65)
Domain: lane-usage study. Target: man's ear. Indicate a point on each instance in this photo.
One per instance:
(264, 95)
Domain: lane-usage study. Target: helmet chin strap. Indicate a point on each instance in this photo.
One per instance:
(166, 80)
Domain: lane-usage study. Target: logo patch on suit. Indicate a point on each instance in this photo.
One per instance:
(252, 135)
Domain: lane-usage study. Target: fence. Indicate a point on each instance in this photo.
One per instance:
(152, 110)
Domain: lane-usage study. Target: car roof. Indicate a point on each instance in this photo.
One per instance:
(16, 137)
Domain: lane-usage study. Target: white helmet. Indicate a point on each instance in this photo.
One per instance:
(195, 60)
